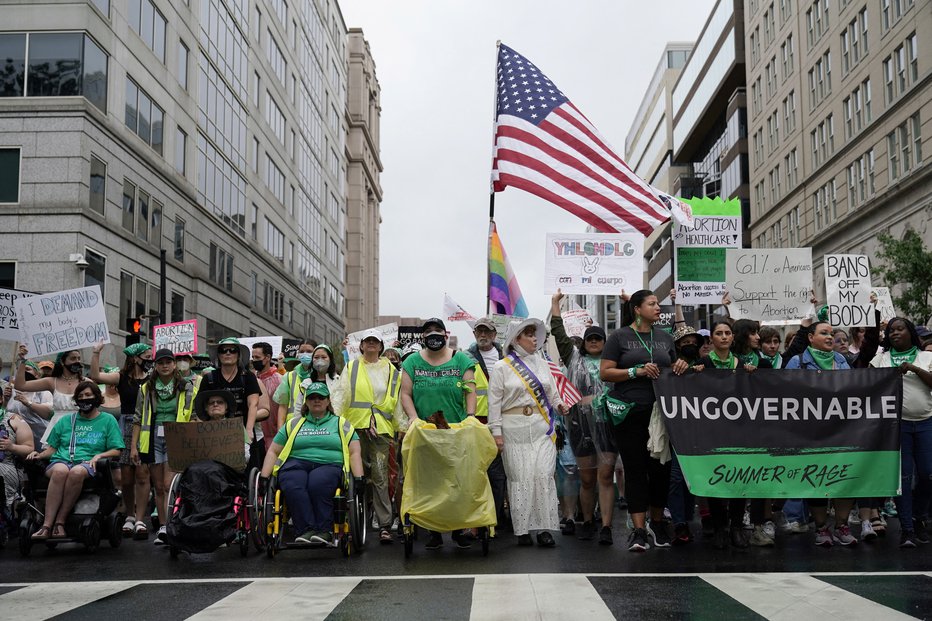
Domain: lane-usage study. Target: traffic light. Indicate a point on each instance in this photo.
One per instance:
(134, 325)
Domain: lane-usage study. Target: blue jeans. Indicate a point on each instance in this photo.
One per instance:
(309, 488)
(796, 511)
(680, 501)
(916, 466)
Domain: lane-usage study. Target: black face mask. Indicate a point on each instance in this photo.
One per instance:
(145, 365)
(75, 367)
(689, 352)
(85, 405)
(258, 365)
(435, 342)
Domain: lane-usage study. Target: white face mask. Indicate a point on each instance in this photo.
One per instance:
(321, 365)
(183, 366)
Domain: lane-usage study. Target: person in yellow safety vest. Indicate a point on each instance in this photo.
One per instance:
(288, 394)
(369, 391)
(164, 397)
(482, 393)
(311, 456)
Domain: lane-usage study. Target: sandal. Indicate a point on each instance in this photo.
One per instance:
(128, 526)
(58, 531)
(140, 532)
(385, 536)
(879, 527)
(41, 534)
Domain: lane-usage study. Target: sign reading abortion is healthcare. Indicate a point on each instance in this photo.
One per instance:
(786, 434)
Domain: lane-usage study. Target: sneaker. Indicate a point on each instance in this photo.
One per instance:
(637, 540)
(567, 527)
(842, 536)
(746, 521)
(605, 536)
(621, 503)
(889, 508)
(545, 540)
(823, 537)
(760, 538)
(867, 531)
(525, 540)
(321, 537)
(307, 537)
(720, 539)
(739, 537)
(659, 531)
(681, 535)
(434, 542)
(795, 528)
(586, 531)
(463, 541)
(880, 526)
(161, 537)
(907, 539)
(854, 517)
(920, 531)
(770, 529)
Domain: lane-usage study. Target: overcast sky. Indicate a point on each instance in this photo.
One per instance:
(435, 62)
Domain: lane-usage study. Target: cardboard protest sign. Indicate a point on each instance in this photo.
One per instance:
(274, 341)
(9, 326)
(388, 331)
(62, 321)
(772, 286)
(847, 291)
(576, 321)
(221, 440)
(593, 263)
(179, 337)
(699, 252)
(884, 303)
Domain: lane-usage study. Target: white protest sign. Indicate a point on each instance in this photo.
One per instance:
(576, 321)
(179, 337)
(699, 252)
(772, 286)
(62, 321)
(848, 289)
(274, 341)
(9, 326)
(593, 263)
(388, 331)
(884, 303)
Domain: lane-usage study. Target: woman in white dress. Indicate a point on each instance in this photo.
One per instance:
(523, 401)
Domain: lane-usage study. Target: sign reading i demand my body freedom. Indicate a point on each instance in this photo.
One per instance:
(62, 321)
(593, 263)
(785, 434)
(700, 251)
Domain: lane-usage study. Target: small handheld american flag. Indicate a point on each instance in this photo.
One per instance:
(568, 393)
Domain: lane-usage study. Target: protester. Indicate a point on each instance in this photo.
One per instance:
(393, 354)
(184, 363)
(590, 433)
(369, 389)
(288, 393)
(35, 408)
(901, 350)
(840, 345)
(437, 379)
(770, 346)
(310, 455)
(856, 339)
(270, 378)
(632, 358)
(164, 398)
(523, 401)
(16, 442)
(66, 375)
(75, 444)
(134, 481)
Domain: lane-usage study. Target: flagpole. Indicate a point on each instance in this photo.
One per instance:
(488, 244)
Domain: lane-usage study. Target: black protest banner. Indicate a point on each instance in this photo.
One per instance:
(409, 335)
(785, 434)
(290, 347)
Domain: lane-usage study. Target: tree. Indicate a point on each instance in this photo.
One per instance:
(908, 264)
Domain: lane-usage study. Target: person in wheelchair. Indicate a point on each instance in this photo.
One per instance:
(75, 445)
(16, 441)
(310, 455)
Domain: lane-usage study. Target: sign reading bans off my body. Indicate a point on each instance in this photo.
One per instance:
(785, 434)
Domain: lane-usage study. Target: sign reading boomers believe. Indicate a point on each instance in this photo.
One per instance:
(700, 251)
(594, 263)
(786, 434)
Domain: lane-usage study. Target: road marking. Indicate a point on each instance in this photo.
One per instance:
(536, 596)
(798, 596)
(301, 599)
(43, 601)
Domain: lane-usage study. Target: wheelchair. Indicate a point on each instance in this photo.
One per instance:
(93, 518)
(246, 508)
(350, 520)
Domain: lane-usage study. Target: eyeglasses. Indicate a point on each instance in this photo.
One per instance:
(213, 402)
(228, 350)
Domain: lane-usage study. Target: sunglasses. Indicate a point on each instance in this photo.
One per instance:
(228, 350)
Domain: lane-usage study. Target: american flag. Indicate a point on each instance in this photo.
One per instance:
(568, 393)
(544, 145)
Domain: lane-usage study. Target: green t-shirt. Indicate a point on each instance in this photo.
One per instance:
(317, 440)
(439, 389)
(92, 437)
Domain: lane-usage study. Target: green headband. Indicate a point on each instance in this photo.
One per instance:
(136, 349)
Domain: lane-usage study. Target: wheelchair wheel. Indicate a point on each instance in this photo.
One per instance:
(255, 509)
(25, 539)
(273, 516)
(114, 530)
(484, 540)
(408, 530)
(174, 491)
(358, 519)
(91, 536)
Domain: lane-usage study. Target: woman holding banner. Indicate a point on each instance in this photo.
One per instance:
(902, 351)
(632, 359)
(523, 401)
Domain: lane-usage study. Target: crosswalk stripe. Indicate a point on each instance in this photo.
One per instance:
(43, 601)
(300, 599)
(536, 596)
(792, 596)
(250, 601)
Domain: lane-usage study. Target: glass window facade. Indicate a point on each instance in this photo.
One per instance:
(149, 24)
(144, 117)
(225, 42)
(96, 271)
(220, 187)
(221, 114)
(13, 68)
(9, 175)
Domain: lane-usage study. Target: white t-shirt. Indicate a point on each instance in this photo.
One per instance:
(490, 357)
(917, 396)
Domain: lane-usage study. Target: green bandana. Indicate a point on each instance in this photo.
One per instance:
(824, 359)
(899, 357)
(135, 349)
(750, 358)
(776, 361)
(165, 391)
(727, 363)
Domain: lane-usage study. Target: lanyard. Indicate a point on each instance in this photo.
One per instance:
(650, 350)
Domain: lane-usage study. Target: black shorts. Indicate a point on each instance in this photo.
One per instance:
(588, 436)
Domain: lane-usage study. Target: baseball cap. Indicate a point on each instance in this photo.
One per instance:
(485, 322)
(434, 321)
(315, 388)
(705, 333)
(594, 331)
(163, 353)
(372, 334)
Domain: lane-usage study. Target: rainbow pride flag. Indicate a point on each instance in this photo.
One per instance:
(504, 293)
